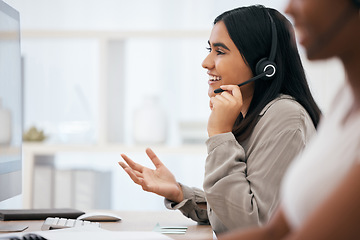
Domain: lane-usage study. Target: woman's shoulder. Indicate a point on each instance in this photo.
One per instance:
(284, 116)
(285, 113)
(283, 104)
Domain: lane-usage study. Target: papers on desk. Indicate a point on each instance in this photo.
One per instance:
(91, 233)
(169, 229)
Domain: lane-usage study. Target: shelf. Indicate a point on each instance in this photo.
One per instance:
(9, 150)
(33, 150)
(47, 148)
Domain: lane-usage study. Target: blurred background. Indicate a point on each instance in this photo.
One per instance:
(116, 76)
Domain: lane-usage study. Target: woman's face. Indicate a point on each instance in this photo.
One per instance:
(224, 63)
(318, 28)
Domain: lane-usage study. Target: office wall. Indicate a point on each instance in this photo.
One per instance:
(86, 83)
(127, 14)
(63, 75)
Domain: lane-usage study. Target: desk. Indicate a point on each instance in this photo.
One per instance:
(143, 221)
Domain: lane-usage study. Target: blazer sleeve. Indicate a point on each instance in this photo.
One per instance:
(189, 206)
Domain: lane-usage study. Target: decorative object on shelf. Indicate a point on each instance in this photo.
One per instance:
(34, 135)
(5, 125)
(149, 122)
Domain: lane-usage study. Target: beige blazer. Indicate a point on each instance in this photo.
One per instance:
(242, 181)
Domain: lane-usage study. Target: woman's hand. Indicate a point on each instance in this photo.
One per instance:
(160, 181)
(225, 108)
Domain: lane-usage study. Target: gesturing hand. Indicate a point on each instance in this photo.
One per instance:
(160, 181)
(225, 108)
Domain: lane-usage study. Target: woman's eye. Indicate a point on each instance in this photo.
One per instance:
(219, 52)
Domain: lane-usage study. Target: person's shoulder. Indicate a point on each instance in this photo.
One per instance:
(285, 113)
(283, 105)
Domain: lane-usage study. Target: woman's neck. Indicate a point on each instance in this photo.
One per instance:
(246, 105)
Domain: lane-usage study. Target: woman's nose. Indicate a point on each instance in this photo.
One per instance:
(208, 63)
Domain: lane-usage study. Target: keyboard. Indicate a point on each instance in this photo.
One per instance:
(58, 223)
(29, 236)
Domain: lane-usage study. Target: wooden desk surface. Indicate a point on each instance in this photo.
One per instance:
(143, 221)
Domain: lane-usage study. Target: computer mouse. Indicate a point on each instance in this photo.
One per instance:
(99, 217)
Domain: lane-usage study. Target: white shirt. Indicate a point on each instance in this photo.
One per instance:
(324, 163)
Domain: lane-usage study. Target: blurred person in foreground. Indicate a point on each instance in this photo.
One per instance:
(320, 193)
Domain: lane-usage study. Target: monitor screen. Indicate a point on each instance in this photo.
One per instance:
(10, 103)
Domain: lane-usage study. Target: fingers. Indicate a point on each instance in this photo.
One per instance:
(134, 175)
(156, 161)
(233, 89)
(232, 94)
(133, 169)
(132, 164)
(137, 172)
(124, 166)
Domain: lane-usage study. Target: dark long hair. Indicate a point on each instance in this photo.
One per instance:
(250, 30)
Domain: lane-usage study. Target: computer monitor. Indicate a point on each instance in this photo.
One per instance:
(11, 106)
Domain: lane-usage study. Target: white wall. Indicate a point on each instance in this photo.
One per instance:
(62, 75)
(136, 15)
(126, 14)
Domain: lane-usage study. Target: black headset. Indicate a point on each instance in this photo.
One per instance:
(267, 66)
(265, 69)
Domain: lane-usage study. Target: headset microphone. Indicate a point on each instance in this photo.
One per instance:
(267, 72)
(266, 67)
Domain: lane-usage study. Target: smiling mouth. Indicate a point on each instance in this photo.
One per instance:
(214, 78)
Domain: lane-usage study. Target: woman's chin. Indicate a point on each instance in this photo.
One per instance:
(211, 92)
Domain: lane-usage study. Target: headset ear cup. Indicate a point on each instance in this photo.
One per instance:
(264, 65)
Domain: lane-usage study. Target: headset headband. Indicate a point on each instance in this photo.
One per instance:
(273, 41)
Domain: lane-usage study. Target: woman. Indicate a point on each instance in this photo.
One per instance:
(254, 130)
(321, 191)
